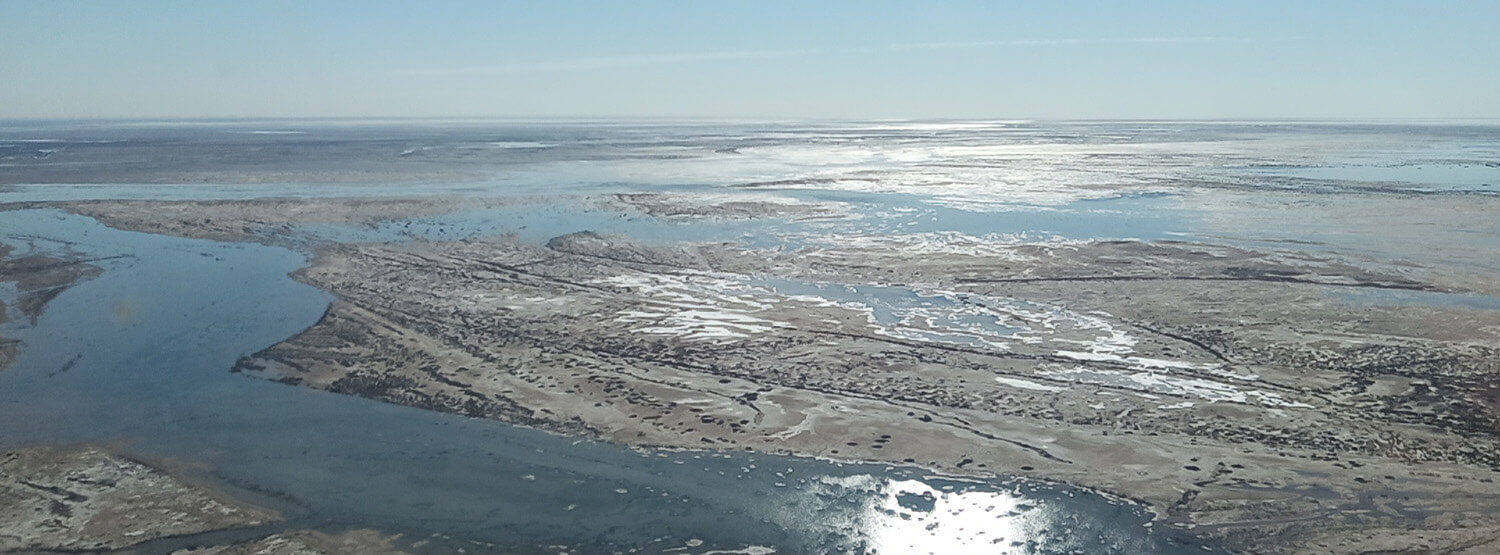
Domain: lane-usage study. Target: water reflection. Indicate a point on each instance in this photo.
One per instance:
(1451, 177)
(906, 511)
(914, 516)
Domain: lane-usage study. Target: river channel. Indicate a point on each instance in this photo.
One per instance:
(139, 357)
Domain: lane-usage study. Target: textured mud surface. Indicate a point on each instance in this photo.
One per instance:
(727, 207)
(268, 220)
(33, 280)
(1240, 393)
(1278, 400)
(305, 542)
(86, 499)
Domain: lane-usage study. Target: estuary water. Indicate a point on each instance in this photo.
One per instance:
(140, 356)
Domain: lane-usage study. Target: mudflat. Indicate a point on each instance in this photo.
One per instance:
(35, 279)
(1276, 401)
(85, 498)
(1282, 339)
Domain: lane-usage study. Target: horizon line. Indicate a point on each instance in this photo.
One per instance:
(992, 119)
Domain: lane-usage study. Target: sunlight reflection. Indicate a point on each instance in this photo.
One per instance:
(898, 515)
(914, 517)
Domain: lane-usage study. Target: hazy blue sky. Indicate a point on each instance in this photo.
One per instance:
(861, 59)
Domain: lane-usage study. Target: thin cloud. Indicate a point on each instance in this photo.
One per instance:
(616, 62)
(983, 44)
(1182, 39)
(599, 62)
(1048, 42)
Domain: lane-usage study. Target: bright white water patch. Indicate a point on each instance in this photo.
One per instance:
(694, 307)
(1152, 382)
(917, 518)
(515, 144)
(1026, 384)
(750, 550)
(1107, 353)
(900, 514)
(1107, 340)
(975, 176)
(908, 313)
(1000, 246)
(719, 197)
(727, 307)
(699, 324)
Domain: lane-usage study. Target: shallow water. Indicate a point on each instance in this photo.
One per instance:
(909, 313)
(1142, 217)
(537, 223)
(1400, 297)
(141, 353)
(1419, 177)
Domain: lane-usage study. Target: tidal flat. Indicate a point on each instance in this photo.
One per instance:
(1216, 359)
(87, 499)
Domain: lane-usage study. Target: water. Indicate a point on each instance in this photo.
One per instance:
(1430, 177)
(1400, 297)
(141, 353)
(1143, 217)
(905, 312)
(537, 223)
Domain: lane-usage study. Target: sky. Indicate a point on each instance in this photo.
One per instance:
(767, 59)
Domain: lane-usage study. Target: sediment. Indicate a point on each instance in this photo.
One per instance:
(1275, 401)
(38, 279)
(89, 499)
(80, 499)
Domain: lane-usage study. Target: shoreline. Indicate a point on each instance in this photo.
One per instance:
(517, 267)
(93, 498)
(37, 278)
(84, 497)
